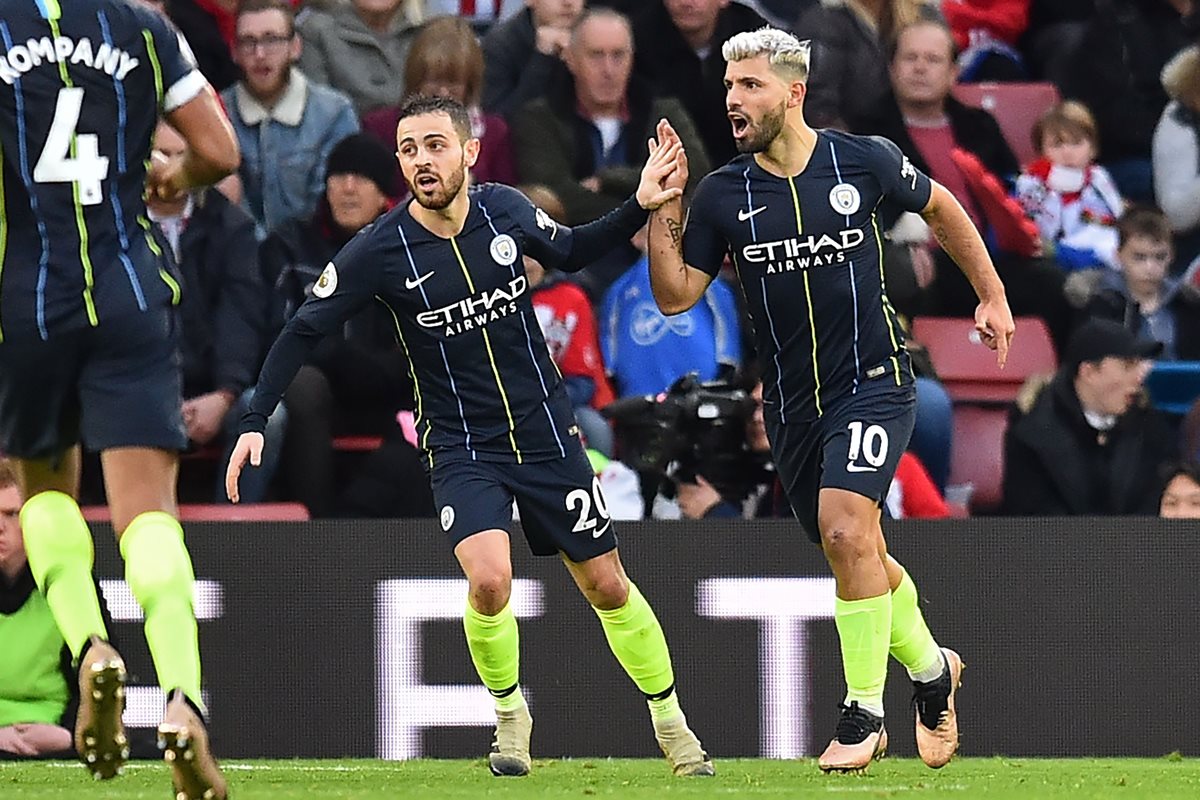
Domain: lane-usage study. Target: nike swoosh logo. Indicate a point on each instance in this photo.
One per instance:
(852, 467)
(744, 215)
(409, 283)
(600, 532)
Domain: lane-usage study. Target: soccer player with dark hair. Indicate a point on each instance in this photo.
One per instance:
(89, 343)
(493, 414)
(801, 211)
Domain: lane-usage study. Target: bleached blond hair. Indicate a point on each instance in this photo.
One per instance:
(787, 55)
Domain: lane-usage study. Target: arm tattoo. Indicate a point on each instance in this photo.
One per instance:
(675, 229)
(942, 235)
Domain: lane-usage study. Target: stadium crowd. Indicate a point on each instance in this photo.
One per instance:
(1089, 201)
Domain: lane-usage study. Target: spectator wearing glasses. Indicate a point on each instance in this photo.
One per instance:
(285, 124)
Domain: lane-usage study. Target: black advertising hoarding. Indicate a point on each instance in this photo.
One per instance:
(345, 639)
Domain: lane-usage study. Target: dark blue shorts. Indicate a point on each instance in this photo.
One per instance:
(855, 446)
(560, 503)
(117, 385)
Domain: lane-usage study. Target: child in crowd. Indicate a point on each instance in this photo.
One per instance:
(1141, 295)
(1073, 200)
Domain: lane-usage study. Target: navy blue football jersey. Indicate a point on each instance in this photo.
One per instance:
(486, 387)
(80, 95)
(808, 250)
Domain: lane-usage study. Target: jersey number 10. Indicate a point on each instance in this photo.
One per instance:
(69, 157)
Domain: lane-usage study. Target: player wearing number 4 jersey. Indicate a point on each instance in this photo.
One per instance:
(88, 348)
(801, 212)
(493, 416)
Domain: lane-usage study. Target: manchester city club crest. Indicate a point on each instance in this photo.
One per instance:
(844, 198)
(504, 250)
(327, 283)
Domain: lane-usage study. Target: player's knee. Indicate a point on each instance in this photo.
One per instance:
(54, 533)
(608, 591)
(843, 541)
(490, 590)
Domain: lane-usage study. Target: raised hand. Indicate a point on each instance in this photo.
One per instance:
(678, 177)
(663, 161)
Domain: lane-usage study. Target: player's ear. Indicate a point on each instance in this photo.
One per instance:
(295, 47)
(471, 151)
(797, 91)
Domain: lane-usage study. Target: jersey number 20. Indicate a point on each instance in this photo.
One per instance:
(85, 167)
(581, 499)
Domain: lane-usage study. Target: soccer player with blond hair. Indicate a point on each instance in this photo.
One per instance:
(801, 212)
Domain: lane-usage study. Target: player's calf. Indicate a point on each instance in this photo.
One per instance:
(99, 732)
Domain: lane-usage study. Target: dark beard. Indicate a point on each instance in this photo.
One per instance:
(440, 200)
(761, 135)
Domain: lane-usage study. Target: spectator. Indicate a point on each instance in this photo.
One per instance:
(351, 383)
(209, 28)
(587, 139)
(646, 352)
(938, 134)
(1181, 494)
(523, 53)
(568, 324)
(360, 48)
(1141, 296)
(285, 124)
(986, 34)
(1073, 200)
(927, 123)
(1117, 74)
(1086, 444)
(1176, 151)
(761, 497)
(678, 44)
(222, 315)
(848, 79)
(446, 60)
(39, 694)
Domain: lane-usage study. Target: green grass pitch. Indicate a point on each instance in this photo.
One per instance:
(968, 778)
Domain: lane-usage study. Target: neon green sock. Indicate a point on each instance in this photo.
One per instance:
(637, 641)
(863, 627)
(58, 545)
(158, 570)
(911, 642)
(495, 646)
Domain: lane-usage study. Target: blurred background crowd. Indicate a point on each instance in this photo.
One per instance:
(1069, 130)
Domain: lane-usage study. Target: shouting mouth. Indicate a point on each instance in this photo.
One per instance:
(740, 124)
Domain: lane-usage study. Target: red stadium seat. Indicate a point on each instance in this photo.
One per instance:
(357, 444)
(252, 512)
(978, 454)
(1016, 107)
(968, 369)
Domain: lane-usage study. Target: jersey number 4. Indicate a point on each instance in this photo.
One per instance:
(84, 167)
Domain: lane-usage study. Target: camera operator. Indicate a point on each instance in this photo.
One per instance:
(701, 500)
